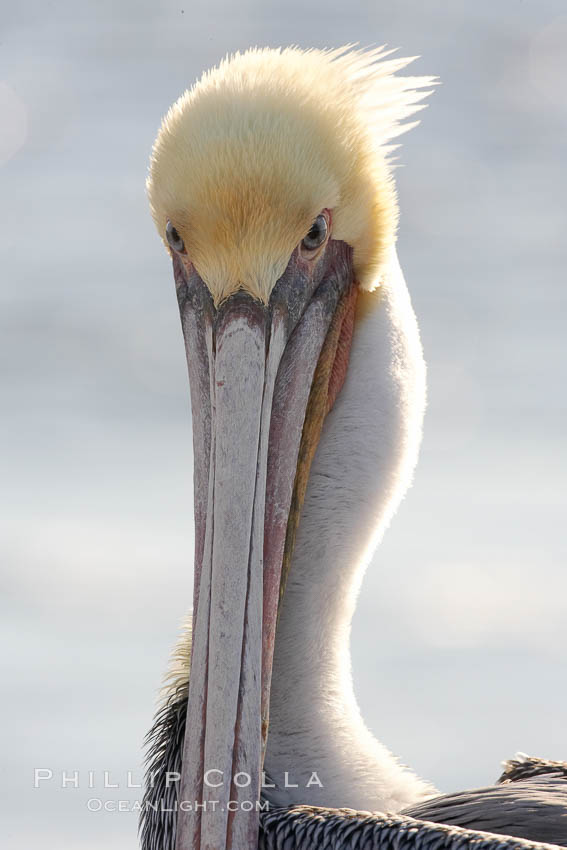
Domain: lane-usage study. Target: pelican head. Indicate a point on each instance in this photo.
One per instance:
(271, 188)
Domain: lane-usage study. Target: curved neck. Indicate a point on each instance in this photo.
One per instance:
(362, 468)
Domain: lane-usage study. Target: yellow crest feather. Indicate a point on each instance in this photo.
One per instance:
(246, 159)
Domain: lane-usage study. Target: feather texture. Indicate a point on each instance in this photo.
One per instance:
(247, 158)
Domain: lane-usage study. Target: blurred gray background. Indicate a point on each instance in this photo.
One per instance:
(460, 638)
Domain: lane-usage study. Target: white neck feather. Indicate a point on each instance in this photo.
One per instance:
(361, 470)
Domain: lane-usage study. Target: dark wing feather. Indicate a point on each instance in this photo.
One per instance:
(534, 809)
(527, 767)
(309, 828)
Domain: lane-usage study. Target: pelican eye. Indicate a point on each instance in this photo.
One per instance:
(316, 235)
(174, 239)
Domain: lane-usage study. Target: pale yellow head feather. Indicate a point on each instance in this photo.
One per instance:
(246, 159)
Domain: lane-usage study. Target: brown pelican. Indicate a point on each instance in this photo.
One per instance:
(271, 187)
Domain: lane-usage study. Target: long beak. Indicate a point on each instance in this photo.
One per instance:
(262, 379)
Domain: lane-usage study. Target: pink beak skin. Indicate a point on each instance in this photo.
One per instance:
(251, 369)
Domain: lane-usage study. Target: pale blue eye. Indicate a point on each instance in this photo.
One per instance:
(316, 235)
(175, 241)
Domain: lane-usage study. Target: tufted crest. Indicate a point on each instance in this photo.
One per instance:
(246, 159)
